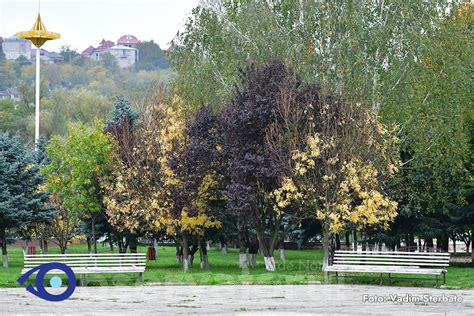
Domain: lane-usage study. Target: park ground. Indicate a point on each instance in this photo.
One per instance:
(301, 267)
(244, 300)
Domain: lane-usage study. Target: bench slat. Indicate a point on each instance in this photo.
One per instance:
(393, 252)
(362, 259)
(391, 256)
(94, 270)
(87, 254)
(65, 260)
(375, 269)
(90, 263)
(95, 266)
(368, 262)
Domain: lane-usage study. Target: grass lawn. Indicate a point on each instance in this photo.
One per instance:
(301, 267)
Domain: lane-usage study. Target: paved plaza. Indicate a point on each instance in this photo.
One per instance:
(245, 300)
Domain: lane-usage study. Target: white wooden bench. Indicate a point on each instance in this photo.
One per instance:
(389, 262)
(93, 263)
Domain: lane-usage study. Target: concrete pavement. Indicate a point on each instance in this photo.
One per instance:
(340, 299)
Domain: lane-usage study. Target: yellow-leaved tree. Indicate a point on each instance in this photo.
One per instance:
(337, 158)
(166, 186)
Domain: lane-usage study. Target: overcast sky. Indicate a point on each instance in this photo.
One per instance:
(86, 22)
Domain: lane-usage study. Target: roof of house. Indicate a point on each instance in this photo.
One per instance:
(44, 52)
(89, 50)
(106, 43)
(128, 39)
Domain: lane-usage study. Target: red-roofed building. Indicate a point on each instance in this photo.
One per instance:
(126, 55)
(106, 44)
(88, 51)
(128, 40)
(94, 53)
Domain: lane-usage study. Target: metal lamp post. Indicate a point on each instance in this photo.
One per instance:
(38, 35)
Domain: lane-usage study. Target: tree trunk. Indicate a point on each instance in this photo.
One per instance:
(242, 245)
(429, 244)
(348, 241)
(281, 250)
(133, 243)
(442, 242)
(266, 252)
(224, 248)
(267, 246)
(253, 260)
(253, 250)
(282, 253)
(43, 245)
(411, 246)
(89, 245)
(203, 252)
(192, 252)
(338, 242)
(120, 244)
(179, 255)
(111, 243)
(472, 251)
(3, 236)
(354, 234)
(326, 241)
(185, 246)
(94, 241)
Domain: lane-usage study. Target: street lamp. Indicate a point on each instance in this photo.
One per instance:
(38, 35)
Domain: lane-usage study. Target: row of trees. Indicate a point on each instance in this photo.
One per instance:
(257, 152)
(406, 62)
(280, 149)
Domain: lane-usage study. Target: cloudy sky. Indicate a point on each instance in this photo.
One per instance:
(86, 22)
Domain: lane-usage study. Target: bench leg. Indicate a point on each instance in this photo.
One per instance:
(436, 280)
(444, 278)
(389, 279)
(82, 279)
(337, 278)
(327, 278)
(381, 279)
(140, 278)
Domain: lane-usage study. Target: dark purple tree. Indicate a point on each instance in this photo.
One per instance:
(251, 171)
(199, 169)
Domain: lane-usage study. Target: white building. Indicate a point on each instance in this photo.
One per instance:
(125, 52)
(14, 47)
(126, 56)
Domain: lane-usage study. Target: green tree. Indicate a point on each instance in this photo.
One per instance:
(7, 74)
(366, 47)
(68, 53)
(2, 54)
(109, 62)
(151, 56)
(432, 110)
(79, 170)
(21, 199)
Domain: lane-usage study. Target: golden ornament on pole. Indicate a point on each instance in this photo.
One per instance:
(38, 35)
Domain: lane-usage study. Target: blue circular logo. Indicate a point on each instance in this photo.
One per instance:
(55, 281)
